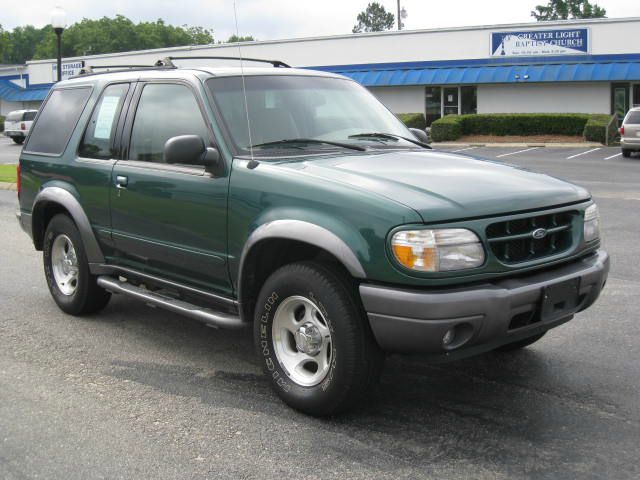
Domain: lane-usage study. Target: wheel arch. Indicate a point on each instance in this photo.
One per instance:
(53, 200)
(287, 241)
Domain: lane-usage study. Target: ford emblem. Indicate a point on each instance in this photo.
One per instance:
(539, 233)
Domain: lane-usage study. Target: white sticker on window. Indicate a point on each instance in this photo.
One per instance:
(106, 114)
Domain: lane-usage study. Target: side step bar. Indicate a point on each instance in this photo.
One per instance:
(205, 315)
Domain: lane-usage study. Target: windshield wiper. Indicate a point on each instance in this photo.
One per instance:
(390, 136)
(311, 140)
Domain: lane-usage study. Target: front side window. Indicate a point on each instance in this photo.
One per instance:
(59, 117)
(288, 107)
(97, 141)
(164, 111)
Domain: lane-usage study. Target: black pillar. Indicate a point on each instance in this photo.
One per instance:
(59, 36)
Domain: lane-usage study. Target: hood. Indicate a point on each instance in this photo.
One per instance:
(444, 186)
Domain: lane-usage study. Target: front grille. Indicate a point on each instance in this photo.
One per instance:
(512, 241)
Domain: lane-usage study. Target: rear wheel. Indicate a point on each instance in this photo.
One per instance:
(626, 152)
(509, 347)
(66, 268)
(18, 140)
(314, 341)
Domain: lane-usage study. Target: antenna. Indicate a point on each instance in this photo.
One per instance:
(244, 87)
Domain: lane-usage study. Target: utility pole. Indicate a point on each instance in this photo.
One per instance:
(399, 17)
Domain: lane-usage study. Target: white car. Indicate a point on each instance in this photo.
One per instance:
(630, 132)
(18, 123)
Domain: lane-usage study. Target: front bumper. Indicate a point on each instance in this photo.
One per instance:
(483, 316)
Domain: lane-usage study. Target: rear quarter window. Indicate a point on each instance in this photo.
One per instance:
(29, 116)
(59, 116)
(633, 118)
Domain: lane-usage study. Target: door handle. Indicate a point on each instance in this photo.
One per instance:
(121, 181)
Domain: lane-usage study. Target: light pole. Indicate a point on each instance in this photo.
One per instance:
(402, 14)
(58, 22)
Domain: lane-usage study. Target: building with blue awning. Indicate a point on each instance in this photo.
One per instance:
(567, 66)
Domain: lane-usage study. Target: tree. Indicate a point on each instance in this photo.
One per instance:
(235, 39)
(91, 37)
(374, 19)
(565, 9)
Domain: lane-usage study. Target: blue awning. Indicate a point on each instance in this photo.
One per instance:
(478, 74)
(11, 92)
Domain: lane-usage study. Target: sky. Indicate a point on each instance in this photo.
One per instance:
(279, 19)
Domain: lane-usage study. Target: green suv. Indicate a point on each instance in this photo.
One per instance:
(293, 202)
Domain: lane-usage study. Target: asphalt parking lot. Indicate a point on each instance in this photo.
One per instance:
(136, 392)
(9, 151)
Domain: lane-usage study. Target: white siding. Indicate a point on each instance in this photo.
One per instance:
(386, 47)
(401, 99)
(545, 98)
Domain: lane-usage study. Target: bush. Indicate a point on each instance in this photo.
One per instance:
(413, 120)
(1, 123)
(601, 129)
(453, 127)
(447, 128)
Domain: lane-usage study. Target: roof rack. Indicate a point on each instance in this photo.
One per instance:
(168, 61)
(90, 70)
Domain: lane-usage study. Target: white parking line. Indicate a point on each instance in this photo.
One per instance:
(613, 156)
(464, 149)
(519, 151)
(583, 153)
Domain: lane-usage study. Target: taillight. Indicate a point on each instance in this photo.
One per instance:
(622, 130)
(23, 126)
(18, 180)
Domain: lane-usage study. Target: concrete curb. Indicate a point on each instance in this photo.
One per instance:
(519, 145)
(7, 186)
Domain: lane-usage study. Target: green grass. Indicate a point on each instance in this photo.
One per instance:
(8, 173)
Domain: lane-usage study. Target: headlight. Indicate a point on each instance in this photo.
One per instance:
(438, 250)
(591, 223)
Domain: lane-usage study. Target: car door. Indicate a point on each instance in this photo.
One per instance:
(169, 220)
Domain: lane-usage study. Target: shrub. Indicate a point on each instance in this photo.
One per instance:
(413, 120)
(447, 128)
(599, 128)
(1, 123)
(453, 127)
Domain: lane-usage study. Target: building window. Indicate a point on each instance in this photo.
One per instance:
(468, 100)
(441, 101)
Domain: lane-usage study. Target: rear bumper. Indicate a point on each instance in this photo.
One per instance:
(14, 133)
(483, 316)
(630, 143)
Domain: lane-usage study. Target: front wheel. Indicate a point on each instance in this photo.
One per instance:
(66, 268)
(314, 341)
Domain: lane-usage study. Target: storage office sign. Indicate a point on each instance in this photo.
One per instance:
(69, 69)
(572, 41)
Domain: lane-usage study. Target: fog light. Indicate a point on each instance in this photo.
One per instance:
(448, 337)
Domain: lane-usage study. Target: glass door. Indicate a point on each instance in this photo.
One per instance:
(450, 101)
(620, 100)
(635, 96)
(433, 104)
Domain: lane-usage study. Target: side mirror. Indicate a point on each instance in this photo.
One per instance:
(421, 135)
(191, 150)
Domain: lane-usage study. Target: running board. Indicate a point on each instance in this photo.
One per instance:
(205, 315)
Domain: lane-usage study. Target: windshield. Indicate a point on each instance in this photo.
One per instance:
(304, 108)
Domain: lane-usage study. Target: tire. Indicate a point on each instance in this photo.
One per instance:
(349, 361)
(626, 153)
(63, 254)
(510, 347)
(18, 140)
